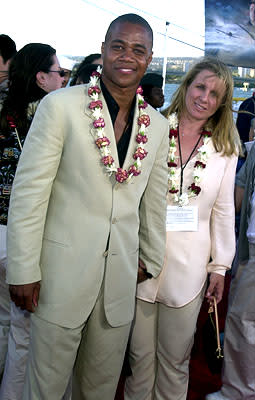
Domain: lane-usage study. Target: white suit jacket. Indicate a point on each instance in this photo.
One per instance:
(190, 256)
(64, 208)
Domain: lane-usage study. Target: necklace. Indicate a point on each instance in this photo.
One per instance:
(103, 143)
(175, 182)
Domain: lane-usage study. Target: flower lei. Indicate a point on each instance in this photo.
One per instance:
(103, 143)
(173, 177)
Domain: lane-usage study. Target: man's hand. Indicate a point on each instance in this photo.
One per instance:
(142, 274)
(216, 287)
(25, 296)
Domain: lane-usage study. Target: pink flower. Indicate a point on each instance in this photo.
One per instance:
(144, 119)
(171, 164)
(173, 133)
(139, 90)
(121, 175)
(141, 138)
(143, 105)
(206, 133)
(99, 123)
(195, 189)
(141, 153)
(133, 170)
(101, 142)
(199, 164)
(95, 104)
(107, 160)
(96, 73)
(94, 89)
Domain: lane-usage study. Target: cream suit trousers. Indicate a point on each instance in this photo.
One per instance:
(161, 342)
(4, 300)
(100, 351)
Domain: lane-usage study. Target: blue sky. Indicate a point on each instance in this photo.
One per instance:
(77, 27)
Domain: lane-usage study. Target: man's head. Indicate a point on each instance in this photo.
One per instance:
(127, 51)
(152, 89)
(7, 51)
(252, 11)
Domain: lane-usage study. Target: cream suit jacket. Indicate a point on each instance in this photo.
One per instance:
(64, 209)
(190, 256)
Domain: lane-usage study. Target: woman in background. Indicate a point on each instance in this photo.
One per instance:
(202, 161)
(34, 71)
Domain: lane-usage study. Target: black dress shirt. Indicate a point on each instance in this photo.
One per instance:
(113, 108)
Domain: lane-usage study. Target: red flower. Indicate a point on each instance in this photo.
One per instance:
(144, 119)
(173, 191)
(173, 133)
(206, 133)
(133, 170)
(171, 164)
(141, 153)
(101, 142)
(199, 164)
(139, 90)
(99, 123)
(11, 121)
(107, 160)
(141, 138)
(195, 189)
(121, 175)
(94, 89)
(96, 73)
(95, 104)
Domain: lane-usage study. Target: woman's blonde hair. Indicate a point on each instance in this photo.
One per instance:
(224, 133)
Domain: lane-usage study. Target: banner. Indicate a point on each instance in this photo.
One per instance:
(230, 31)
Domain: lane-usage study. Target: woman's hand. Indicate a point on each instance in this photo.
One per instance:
(215, 288)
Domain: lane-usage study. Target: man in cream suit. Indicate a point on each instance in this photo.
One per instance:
(78, 228)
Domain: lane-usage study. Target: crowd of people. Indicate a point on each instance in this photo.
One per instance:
(116, 220)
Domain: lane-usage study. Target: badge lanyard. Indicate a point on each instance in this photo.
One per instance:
(180, 153)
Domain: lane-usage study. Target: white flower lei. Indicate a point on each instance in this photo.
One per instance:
(199, 166)
(103, 143)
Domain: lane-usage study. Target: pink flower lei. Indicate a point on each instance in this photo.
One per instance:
(103, 143)
(173, 178)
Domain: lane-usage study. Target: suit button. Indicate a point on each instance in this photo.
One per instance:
(114, 220)
(105, 253)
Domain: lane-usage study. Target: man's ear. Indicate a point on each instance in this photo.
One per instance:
(150, 59)
(102, 48)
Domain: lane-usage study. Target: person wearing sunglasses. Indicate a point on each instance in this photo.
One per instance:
(34, 71)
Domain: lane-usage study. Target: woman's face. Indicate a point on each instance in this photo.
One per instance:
(53, 80)
(204, 96)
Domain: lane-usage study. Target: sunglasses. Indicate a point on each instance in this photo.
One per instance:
(61, 72)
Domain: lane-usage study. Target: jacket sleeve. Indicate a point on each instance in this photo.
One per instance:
(31, 190)
(222, 223)
(152, 234)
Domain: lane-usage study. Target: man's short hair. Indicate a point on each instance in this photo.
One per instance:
(7, 47)
(152, 79)
(133, 19)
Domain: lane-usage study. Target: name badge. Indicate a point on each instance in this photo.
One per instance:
(182, 219)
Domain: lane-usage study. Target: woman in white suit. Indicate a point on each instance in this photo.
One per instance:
(200, 233)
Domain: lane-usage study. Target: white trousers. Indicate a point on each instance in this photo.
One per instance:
(161, 342)
(4, 301)
(95, 350)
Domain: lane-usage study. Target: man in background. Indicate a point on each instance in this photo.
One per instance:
(152, 89)
(7, 51)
